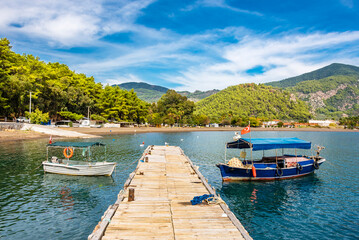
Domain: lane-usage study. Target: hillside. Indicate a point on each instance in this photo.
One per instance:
(331, 97)
(335, 69)
(253, 100)
(146, 92)
(152, 93)
(198, 95)
(331, 92)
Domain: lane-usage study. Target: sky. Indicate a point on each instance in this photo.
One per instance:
(182, 44)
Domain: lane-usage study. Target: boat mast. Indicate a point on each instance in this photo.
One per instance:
(250, 142)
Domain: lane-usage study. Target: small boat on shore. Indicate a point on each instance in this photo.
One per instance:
(269, 167)
(77, 168)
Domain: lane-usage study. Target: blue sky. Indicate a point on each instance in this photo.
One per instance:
(185, 45)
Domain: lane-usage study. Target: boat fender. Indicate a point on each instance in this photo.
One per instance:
(254, 172)
(71, 152)
(316, 165)
(299, 167)
(279, 172)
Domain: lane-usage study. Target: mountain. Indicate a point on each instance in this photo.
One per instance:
(198, 95)
(142, 85)
(253, 100)
(331, 92)
(147, 92)
(152, 93)
(334, 69)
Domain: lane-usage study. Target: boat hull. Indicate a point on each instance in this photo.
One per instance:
(266, 173)
(96, 169)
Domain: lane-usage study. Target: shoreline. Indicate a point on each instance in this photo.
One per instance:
(16, 135)
(119, 131)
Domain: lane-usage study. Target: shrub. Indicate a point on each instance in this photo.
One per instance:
(37, 116)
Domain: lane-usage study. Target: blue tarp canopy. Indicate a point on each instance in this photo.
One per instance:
(270, 143)
(75, 144)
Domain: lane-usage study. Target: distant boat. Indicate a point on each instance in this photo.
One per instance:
(77, 168)
(273, 167)
(143, 144)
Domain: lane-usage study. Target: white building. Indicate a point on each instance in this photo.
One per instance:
(322, 123)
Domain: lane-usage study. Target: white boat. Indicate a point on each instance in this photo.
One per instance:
(77, 168)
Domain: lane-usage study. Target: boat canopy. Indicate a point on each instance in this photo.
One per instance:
(75, 144)
(269, 143)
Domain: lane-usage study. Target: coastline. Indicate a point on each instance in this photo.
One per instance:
(16, 135)
(118, 131)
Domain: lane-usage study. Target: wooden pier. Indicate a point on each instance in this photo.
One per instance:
(155, 203)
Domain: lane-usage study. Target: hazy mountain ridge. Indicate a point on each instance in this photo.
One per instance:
(152, 93)
(330, 92)
(198, 95)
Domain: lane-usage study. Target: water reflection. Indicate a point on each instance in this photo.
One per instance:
(66, 198)
(51, 206)
(259, 205)
(65, 180)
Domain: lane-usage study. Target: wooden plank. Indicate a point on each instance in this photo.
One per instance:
(161, 209)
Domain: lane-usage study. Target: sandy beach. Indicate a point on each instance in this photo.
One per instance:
(16, 135)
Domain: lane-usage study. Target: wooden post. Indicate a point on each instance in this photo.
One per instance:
(131, 194)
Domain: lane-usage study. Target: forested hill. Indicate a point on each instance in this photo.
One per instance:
(335, 69)
(152, 93)
(330, 92)
(198, 95)
(137, 85)
(146, 92)
(259, 101)
(331, 97)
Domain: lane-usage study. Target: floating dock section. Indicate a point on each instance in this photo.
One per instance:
(156, 203)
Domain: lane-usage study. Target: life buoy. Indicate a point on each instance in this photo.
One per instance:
(299, 167)
(254, 172)
(316, 165)
(71, 152)
(279, 172)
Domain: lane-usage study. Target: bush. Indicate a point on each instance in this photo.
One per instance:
(70, 115)
(37, 116)
(98, 118)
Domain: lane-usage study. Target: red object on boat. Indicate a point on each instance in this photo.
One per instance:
(50, 140)
(143, 142)
(254, 171)
(246, 129)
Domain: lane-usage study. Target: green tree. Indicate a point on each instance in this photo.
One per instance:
(173, 107)
(38, 116)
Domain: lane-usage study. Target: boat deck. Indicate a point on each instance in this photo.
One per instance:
(164, 182)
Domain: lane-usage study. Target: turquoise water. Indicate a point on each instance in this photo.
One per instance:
(324, 205)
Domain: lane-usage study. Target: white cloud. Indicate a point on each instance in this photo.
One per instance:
(283, 57)
(201, 61)
(218, 4)
(220, 65)
(348, 3)
(68, 23)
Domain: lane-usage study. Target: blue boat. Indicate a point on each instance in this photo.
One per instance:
(281, 166)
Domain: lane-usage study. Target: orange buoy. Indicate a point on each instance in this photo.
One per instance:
(254, 171)
(71, 152)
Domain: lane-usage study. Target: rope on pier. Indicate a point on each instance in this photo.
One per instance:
(214, 200)
(198, 199)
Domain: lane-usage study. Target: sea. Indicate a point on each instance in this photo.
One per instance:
(324, 205)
